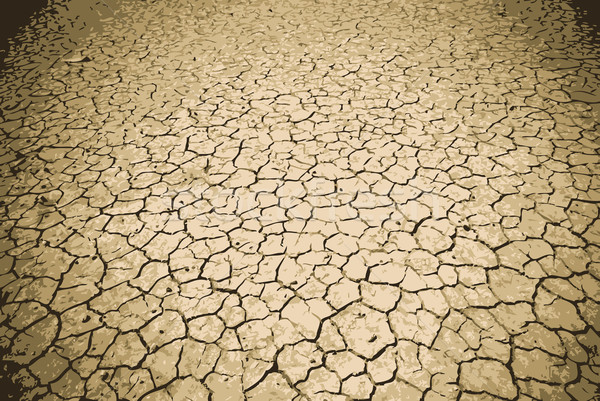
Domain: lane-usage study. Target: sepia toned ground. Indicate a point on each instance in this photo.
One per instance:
(301, 200)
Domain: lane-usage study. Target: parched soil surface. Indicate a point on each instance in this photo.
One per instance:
(301, 200)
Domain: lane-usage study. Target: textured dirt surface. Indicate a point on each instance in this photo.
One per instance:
(307, 200)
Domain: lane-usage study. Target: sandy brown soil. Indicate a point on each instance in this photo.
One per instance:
(301, 200)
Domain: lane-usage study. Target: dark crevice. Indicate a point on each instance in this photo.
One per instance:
(8, 370)
(588, 18)
(14, 15)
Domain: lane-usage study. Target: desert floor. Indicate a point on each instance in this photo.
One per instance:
(301, 200)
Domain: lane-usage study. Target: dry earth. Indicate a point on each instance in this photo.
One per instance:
(301, 200)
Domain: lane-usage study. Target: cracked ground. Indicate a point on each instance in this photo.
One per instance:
(307, 200)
